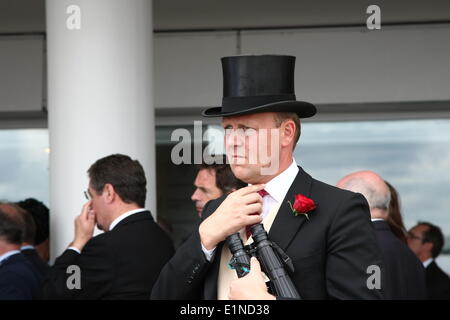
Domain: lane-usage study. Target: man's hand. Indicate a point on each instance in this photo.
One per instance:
(84, 226)
(250, 287)
(236, 211)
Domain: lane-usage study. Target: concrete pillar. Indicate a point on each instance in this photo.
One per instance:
(100, 98)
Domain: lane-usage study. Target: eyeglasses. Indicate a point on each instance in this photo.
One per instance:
(413, 236)
(87, 195)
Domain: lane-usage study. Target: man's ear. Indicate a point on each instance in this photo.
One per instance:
(109, 193)
(288, 132)
(428, 246)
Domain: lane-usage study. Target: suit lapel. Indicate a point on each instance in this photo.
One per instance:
(283, 230)
(210, 292)
(286, 224)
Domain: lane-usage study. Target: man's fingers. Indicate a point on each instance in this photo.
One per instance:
(254, 208)
(252, 198)
(251, 189)
(255, 267)
(253, 219)
(91, 215)
(85, 210)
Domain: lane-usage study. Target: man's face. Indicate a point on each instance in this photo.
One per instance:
(206, 189)
(252, 144)
(415, 240)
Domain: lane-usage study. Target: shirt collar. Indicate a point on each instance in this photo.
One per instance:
(279, 186)
(377, 219)
(123, 216)
(427, 262)
(8, 254)
(29, 247)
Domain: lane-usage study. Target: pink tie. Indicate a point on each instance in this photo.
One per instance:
(262, 193)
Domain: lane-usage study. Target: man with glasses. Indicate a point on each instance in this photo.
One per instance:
(125, 260)
(426, 241)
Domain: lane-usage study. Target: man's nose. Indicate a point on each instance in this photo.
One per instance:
(235, 137)
(194, 196)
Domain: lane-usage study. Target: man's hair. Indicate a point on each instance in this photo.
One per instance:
(280, 117)
(12, 225)
(41, 217)
(375, 198)
(395, 219)
(124, 174)
(30, 227)
(433, 235)
(225, 179)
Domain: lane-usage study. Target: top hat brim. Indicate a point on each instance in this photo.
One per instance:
(301, 108)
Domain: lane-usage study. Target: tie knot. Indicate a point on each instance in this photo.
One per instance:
(263, 193)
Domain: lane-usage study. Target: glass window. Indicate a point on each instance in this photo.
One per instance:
(24, 164)
(413, 155)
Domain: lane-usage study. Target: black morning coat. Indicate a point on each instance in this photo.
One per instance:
(332, 251)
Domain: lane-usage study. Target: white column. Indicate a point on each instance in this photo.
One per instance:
(100, 98)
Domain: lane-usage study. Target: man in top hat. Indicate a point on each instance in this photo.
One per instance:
(326, 231)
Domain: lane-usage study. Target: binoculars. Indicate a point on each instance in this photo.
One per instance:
(271, 257)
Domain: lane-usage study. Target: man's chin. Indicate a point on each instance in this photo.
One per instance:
(244, 173)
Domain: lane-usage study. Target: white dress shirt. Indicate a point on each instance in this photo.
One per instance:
(8, 254)
(277, 189)
(427, 262)
(115, 222)
(123, 216)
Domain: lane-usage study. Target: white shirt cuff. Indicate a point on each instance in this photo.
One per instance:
(208, 253)
(74, 249)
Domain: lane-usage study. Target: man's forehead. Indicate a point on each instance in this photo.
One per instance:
(206, 173)
(420, 228)
(249, 118)
(8, 208)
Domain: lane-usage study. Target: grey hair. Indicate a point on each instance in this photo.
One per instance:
(377, 199)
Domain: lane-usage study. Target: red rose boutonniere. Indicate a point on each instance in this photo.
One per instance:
(302, 205)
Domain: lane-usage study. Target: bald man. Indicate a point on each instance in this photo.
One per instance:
(403, 276)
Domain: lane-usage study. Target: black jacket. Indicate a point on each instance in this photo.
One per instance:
(18, 279)
(40, 265)
(331, 251)
(404, 274)
(123, 263)
(438, 283)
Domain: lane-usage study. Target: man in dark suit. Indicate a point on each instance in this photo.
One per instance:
(41, 218)
(18, 279)
(404, 275)
(331, 246)
(212, 181)
(125, 260)
(426, 241)
(28, 249)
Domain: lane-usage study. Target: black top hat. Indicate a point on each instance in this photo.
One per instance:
(259, 83)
